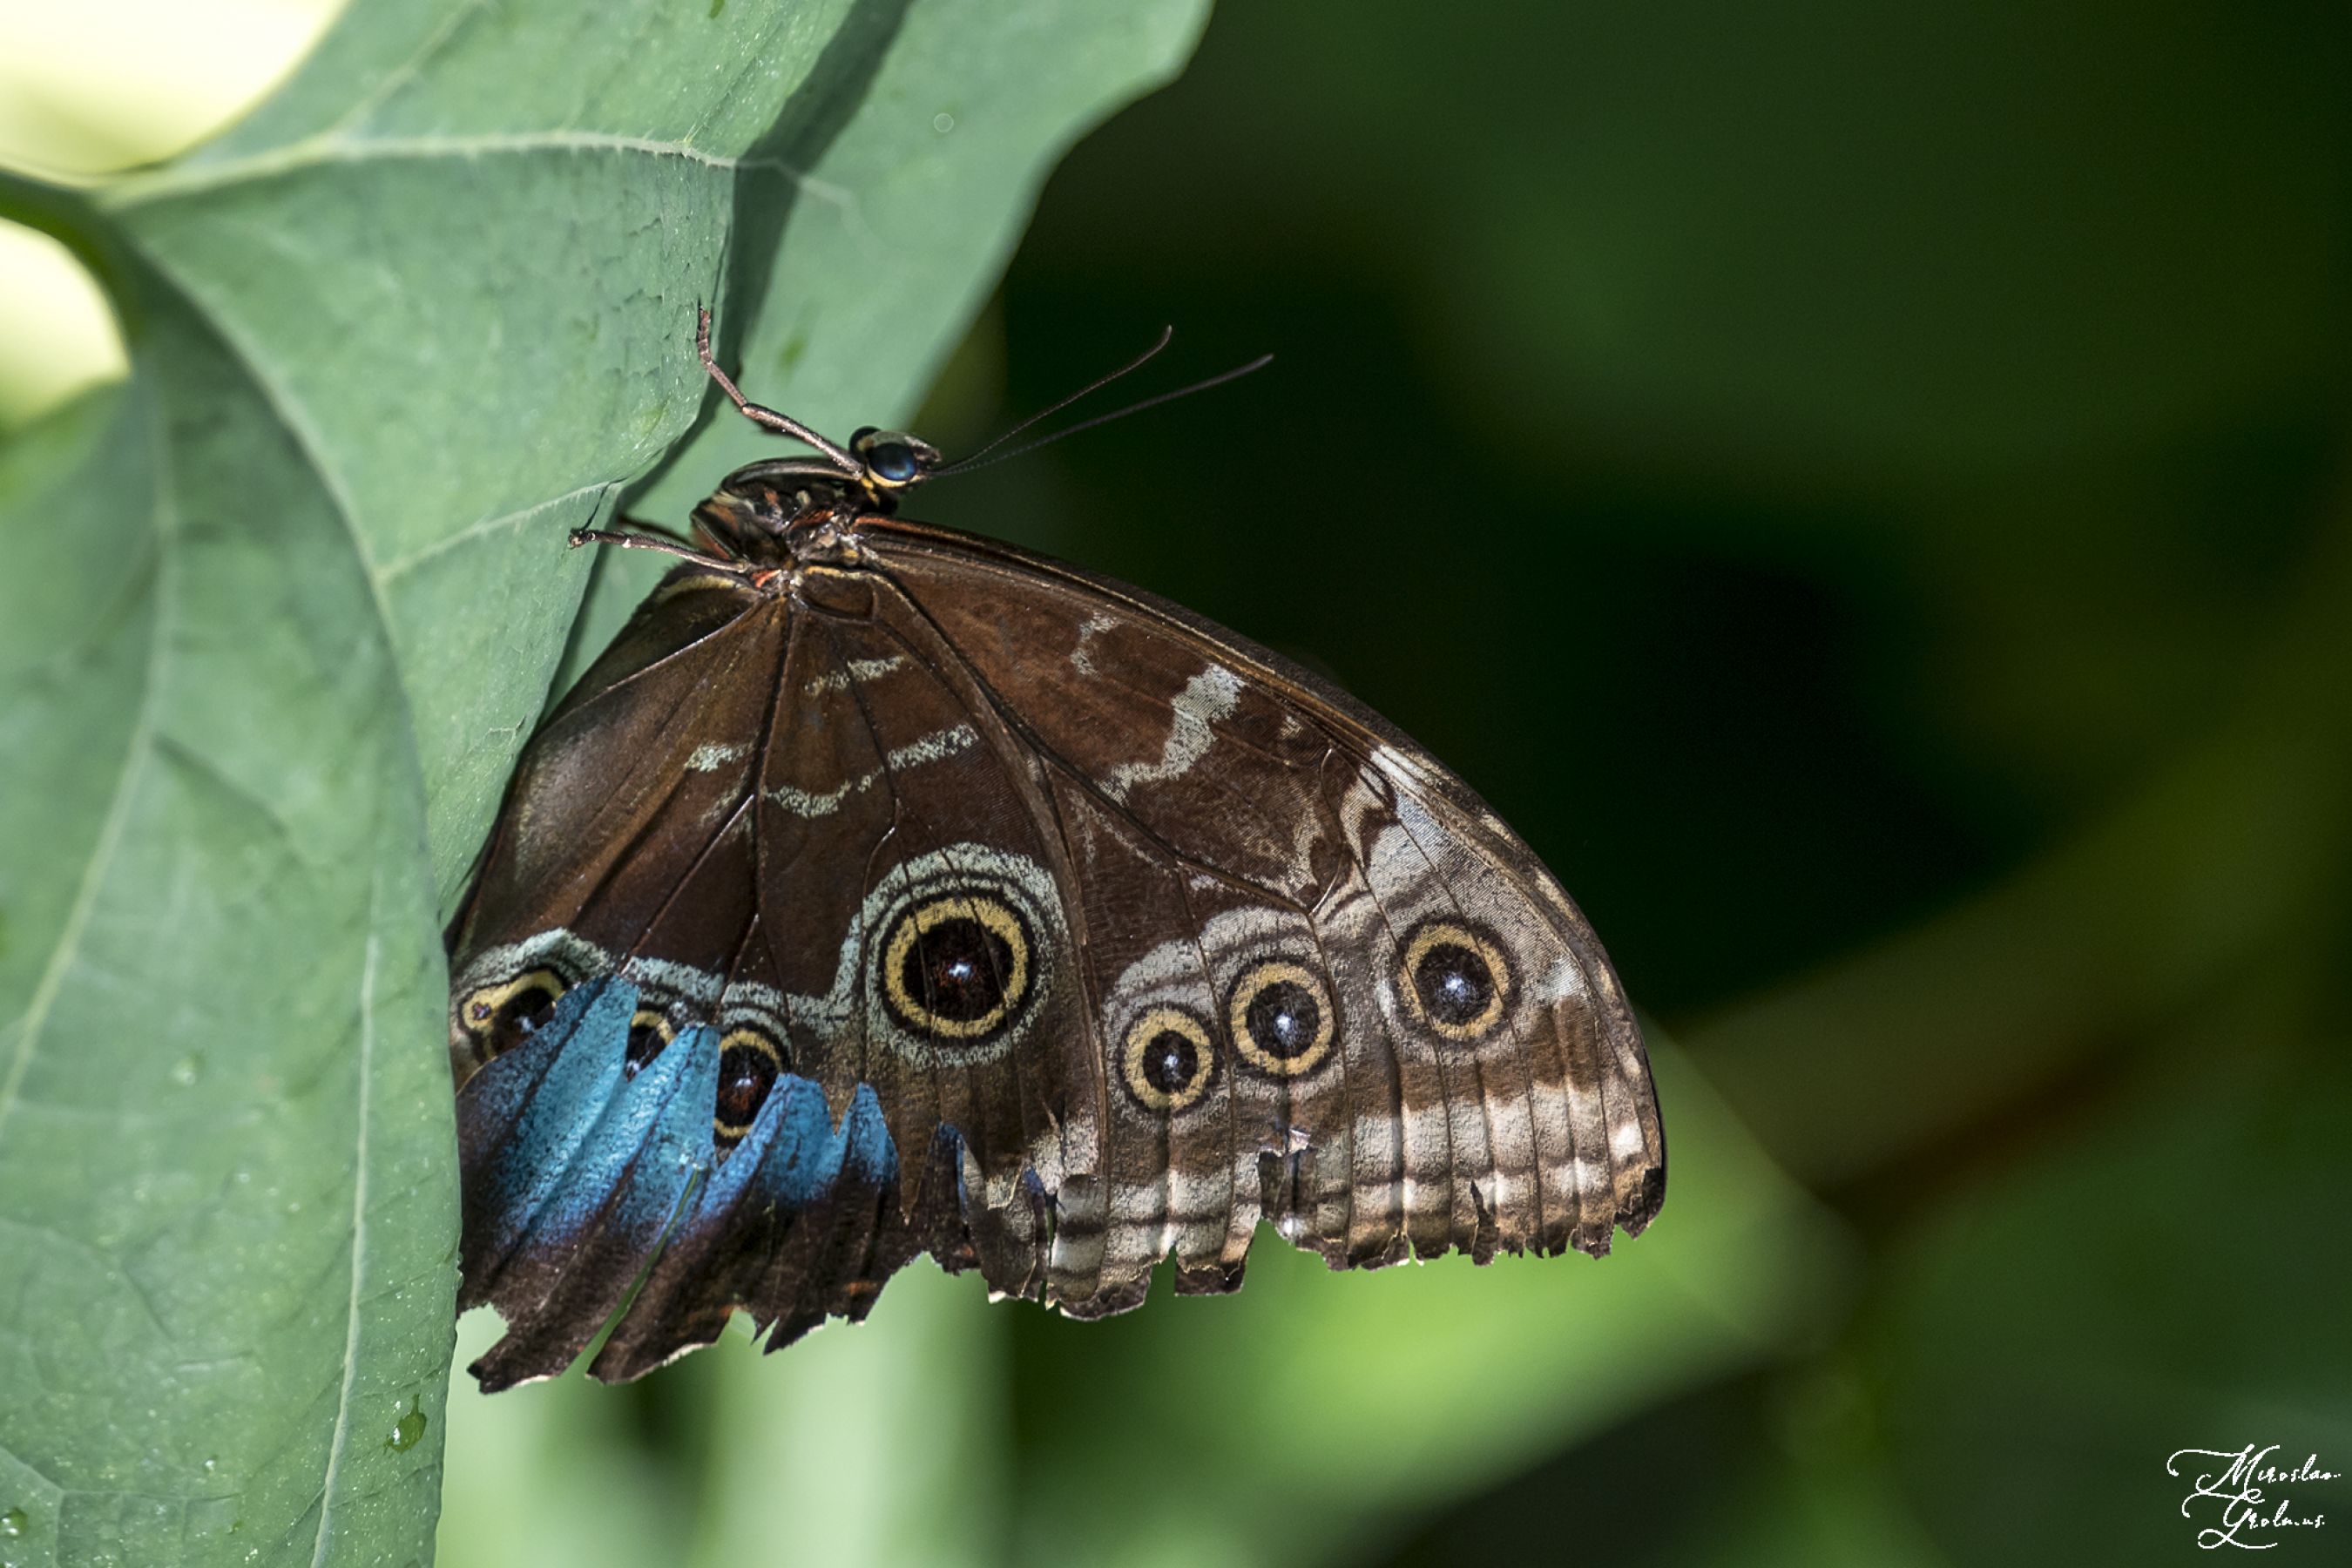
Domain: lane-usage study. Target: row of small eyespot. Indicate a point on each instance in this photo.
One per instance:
(1283, 1022)
(1281, 1016)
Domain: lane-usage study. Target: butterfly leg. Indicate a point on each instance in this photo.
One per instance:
(661, 540)
(638, 527)
(765, 418)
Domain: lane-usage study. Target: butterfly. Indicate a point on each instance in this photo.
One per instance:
(886, 889)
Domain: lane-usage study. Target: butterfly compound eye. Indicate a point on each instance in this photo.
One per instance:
(892, 461)
(892, 457)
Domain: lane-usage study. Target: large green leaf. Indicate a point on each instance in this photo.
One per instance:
(224, 1138)
(460, 253)
(919, 200)
(278, 616)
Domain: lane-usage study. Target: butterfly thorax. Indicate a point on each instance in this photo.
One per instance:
(766, 523)
(798, 511)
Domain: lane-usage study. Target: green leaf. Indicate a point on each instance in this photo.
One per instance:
(224, 1134)
(919, 201)
(461, 253)
(279, 615)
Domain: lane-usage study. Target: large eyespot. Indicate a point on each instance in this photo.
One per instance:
(1455, 980)
(497, 1018)
(649, 1031)
(1168, 1058)
(749, 1065)
(953, 954)
(956, 967)
(1282, 1017)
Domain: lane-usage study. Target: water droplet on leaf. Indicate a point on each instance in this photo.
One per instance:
(407, 1432)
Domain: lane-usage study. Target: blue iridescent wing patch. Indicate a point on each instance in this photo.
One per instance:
(590, 1186)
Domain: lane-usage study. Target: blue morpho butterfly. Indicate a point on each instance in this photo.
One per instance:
(886, 889)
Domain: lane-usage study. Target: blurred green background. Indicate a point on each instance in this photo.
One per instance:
(1863, 490)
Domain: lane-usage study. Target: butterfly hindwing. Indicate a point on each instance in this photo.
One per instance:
(1484, 1087)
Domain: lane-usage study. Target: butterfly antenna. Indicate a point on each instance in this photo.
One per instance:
(1130, 368)
(974, 461)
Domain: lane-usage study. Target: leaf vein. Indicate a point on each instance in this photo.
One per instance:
(403, 566)
(318, 152)
(359, 1250)
(136, 749)
(404, 73)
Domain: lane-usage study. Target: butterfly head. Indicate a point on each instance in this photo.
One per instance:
(891, 462)
(800, 512)
(784, 497)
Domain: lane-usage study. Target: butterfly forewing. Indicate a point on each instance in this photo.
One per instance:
(946, 899)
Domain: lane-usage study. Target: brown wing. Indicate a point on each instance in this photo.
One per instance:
(815, 868)
(967, 903)
(1236, 826)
